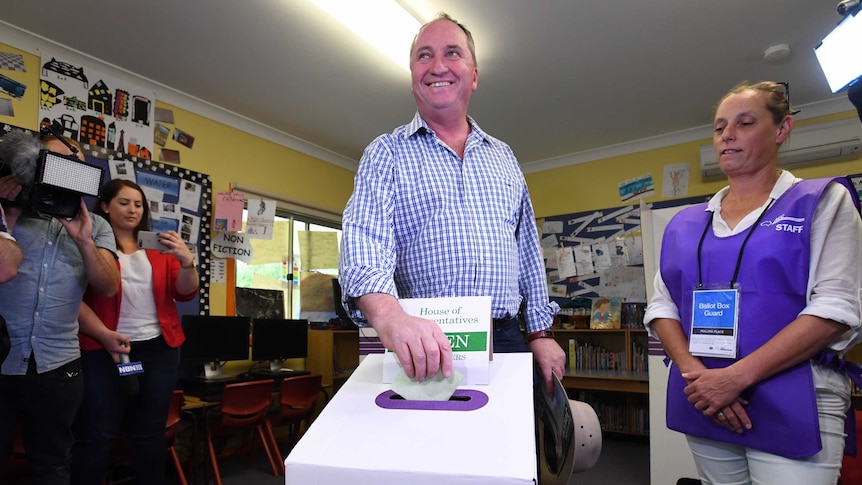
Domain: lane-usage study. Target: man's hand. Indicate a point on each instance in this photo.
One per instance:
(421, 347)
(80, 227)
(9, 188)
(551, 359)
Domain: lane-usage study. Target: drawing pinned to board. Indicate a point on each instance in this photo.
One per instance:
(164, 115)
(228, 211)
(261, 217)
(169, 156)
(583, 256)
(12, 87)
(6, 108)
(675, 180)
(636, 188)
(183, 138)
(160, 136)
(94, 107)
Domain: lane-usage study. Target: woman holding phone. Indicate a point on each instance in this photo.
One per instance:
(140, 320)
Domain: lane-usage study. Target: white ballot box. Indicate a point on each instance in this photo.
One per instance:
(364, 437)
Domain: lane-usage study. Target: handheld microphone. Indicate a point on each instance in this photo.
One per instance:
(128, 379)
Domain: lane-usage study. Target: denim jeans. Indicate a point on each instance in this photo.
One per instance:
(508, 338)
(47, 404)
(107, 408)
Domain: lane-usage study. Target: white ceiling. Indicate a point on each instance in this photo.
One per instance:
(558, 79)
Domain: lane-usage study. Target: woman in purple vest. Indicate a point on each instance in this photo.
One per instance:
(756, 300)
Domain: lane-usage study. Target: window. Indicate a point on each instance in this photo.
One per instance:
(278, 264)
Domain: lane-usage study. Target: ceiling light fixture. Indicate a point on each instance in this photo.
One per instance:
(777, 54)
(385, 24)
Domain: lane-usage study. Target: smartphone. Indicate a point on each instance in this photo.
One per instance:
(150, 240)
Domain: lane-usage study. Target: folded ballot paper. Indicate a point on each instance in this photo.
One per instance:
(466, 321)
(436, 388)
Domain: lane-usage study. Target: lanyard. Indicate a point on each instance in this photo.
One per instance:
(741, 249)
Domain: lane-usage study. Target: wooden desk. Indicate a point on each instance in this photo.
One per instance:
(190, 403)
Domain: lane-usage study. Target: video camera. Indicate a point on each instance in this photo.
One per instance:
(52, 183)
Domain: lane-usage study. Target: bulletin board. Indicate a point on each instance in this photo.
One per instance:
(594, 253)
(180, 200)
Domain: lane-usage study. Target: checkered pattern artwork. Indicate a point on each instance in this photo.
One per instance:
(12, 62)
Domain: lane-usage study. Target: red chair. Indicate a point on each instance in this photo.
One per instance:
(297, 399)
(174, 417)
(244, 409)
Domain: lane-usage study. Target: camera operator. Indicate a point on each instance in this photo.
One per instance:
(41, 377)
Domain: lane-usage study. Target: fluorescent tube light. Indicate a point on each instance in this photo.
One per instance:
(384, 24)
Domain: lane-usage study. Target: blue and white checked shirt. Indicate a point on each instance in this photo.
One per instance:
(424, 223)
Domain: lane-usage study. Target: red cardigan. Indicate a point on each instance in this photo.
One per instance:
(165, 270)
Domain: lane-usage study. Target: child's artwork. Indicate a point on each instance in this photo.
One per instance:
(605, 313)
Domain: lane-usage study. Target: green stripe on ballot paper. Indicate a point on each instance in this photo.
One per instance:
(468, 341)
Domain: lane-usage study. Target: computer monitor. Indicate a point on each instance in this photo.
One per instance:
(213, 339)
(276, 339)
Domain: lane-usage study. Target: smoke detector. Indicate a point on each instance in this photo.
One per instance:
(777, 54)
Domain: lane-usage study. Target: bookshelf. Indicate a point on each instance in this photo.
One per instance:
(607, 368)
(334, 354)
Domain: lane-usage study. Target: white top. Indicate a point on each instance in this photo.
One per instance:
(139, 319)
(835, 274)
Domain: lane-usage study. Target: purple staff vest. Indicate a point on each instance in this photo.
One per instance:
(773, 279)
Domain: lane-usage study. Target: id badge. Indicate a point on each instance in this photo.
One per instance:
(714, 319)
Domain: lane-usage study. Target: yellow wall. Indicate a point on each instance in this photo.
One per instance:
(229, 155)
(225, 154)
(595, 185)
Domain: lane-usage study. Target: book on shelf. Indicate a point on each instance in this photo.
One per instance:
(633, 314)
(586, 356)
(640, 358)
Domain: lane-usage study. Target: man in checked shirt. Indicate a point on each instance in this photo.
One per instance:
(441, 209)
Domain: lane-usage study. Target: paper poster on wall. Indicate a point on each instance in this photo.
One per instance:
(598, 241)
(636, 188)
(231, 245)
(190, 196)
(566, 264)
(190, 228)
(228, 211)
(218, 270)
(261, 217)
(272, 250)
(11, 84)
(675, 180)
(122, 169)
(162, 183)
(95, 108)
